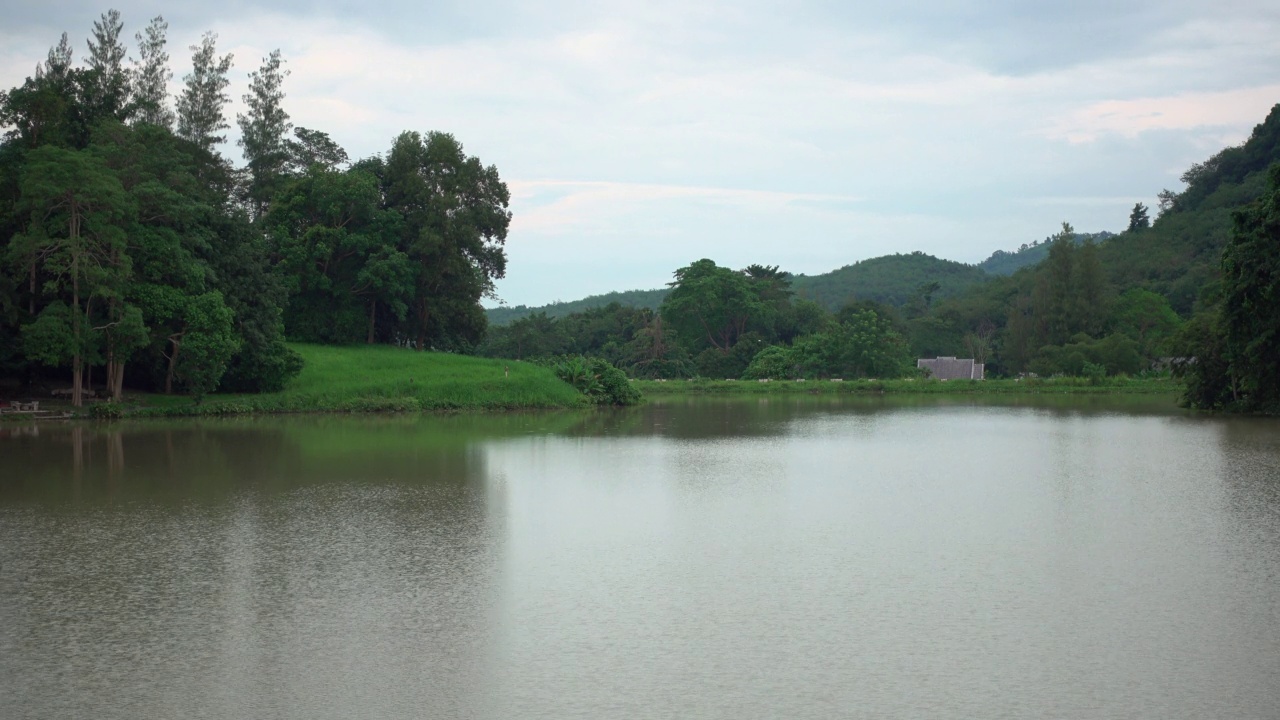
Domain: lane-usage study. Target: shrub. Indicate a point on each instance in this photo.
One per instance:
(596, 378)
(106, 411)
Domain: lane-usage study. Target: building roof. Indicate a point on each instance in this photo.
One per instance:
(950, 368)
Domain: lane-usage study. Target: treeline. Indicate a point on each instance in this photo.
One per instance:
(1002, 262)
(1194, 290)
(132, 251)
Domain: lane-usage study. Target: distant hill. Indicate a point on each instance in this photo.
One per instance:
(630, 298)
(891, 279)
(1003, 262)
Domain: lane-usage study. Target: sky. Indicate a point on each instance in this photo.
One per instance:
(638, 137)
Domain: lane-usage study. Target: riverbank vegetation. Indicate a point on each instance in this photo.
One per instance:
(1155, 385)
(133, 253)
(377, 378)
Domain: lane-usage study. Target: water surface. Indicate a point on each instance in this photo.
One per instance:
(774, 557)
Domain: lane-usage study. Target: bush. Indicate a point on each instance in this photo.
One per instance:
(596, 378)
(1094, 372)
(772, 363)
(106, 411)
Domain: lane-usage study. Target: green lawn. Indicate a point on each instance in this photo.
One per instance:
(382, 378)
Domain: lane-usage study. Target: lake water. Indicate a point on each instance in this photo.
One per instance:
(747, 558)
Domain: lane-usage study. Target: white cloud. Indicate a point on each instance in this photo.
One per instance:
(1179, 112)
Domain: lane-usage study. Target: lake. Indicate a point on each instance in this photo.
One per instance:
(714, 558)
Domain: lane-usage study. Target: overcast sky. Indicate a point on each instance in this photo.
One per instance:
(637, 137)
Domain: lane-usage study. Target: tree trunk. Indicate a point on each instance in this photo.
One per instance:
(77, 399)
(117, 383)
(77, 377)
(173, 363)
(422, 327)
(373, 317)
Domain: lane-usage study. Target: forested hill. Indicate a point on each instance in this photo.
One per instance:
(1003, 262)
(1179, 256)
(891, 280)
(650, 299)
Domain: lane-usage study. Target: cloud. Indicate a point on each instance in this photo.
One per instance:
(592, 203)
(1179, 112)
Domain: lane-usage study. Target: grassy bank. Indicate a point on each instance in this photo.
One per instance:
(1030, 386)
(381, 378)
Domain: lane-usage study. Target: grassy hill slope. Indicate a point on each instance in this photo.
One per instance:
(381, 377)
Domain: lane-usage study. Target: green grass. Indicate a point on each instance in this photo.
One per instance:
(379, 378)
(1031, 386)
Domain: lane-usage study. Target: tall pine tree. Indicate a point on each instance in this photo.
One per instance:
(109, 89)
(204, 95)
(264, 132)
(151, 76)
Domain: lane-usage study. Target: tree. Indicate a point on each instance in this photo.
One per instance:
(338, 247)
(204, 95)
(312, 147)
(864, 344)
(1146, 317)
(1138, 218)
(58, 64)
(264, 131)
(710, 306)
(151, 76)
(1052, 297)
(1089, 291)
(109, 92)
(76, 208)
(454, 223)
(207, 343)
(1251, 300)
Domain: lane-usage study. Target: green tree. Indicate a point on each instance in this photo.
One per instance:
(76, 208)
(1139, 218)
(710, 306)
(264, 131)
(1146, 317)
(151, 76)
(1251, 300)
(454, 224)
(109, 90)
(205, 346)
(312, 147)
(1054, 304)
(338, 249)
(1089, 291)
(864, 344)
(58, 63)
(204, 95)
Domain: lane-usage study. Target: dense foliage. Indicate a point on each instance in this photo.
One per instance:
(132, 251)
(1237, 344)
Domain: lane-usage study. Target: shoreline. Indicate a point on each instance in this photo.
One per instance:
(914, 386)
(493, 399)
